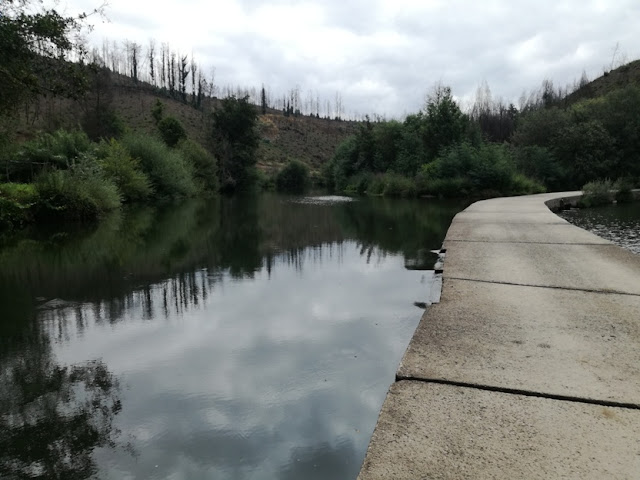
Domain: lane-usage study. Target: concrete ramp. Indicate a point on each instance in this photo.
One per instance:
(530, 365)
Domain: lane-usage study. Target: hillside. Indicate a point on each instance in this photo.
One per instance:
(609, 81)
(308, 139)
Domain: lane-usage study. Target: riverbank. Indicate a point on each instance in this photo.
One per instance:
(528, 367)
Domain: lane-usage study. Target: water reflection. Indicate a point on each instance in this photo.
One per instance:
(255, 337)
(53, 417)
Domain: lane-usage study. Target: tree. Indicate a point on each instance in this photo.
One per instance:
(444, 122)
(134, 50)
(35, 49)
(171, 68)
(263, 100)
(294, 178)
(236, 141)
(171, 131)
(586, 149)
(152, 60)
(163, 76)
(584, 80)
(182, 77)
(339, 106)
(194, 71)
(541, 127)
(157, 111)
(202, 85)
(55, 417)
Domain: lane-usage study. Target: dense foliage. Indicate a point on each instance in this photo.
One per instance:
(35, 45)
(594, 139)
(495, 150)
(294, 178)
(438, 151)
(171, 131)
(236, 140)
(64, 175)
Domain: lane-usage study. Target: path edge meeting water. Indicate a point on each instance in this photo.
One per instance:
(474, 395)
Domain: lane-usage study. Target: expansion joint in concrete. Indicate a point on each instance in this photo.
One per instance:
(572, 289)
(527, 393)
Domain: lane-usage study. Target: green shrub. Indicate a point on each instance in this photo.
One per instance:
(57, 150)
(343, 165)
(205, 166)
(376, 185)
(157, 111)
(623, 188)
(541, 164)
(327, 172)
(265, 181)
(521, 185)
(398, 186)
(103, 123)
(294, 178)
(124, 171)
(16, 204)
(358, 184)
(171, 131)
(455, 187)
(596, 193)
(170, 174)
(491, 168)
(79, 193)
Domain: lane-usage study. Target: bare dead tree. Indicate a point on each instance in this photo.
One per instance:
(194, 71)
(152, 61)
(134, 50)
(172, 73)
(163, 78)
(182, 76)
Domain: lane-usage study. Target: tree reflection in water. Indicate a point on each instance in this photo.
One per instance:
(53, 417)
(166, 263)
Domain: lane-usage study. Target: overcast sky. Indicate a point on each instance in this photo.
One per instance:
(384, 56)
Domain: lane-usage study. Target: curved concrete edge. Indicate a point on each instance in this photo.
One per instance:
(535, 344)
(556, 204)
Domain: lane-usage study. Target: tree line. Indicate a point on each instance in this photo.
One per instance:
(549, 143)
(72, 176)
(180, 76)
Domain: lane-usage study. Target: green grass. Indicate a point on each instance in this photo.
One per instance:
(16, 204)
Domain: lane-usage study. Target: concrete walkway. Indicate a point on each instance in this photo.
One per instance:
(530, 365)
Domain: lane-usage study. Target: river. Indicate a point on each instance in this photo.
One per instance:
(237, 338)
(619, 224)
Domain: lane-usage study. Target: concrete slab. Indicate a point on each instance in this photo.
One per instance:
(605, 268)
(558, 342)
(530, 305)
(523, 204)
(521, 233)
(429, 431)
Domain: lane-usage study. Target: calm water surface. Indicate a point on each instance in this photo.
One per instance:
(617, 223)
(238, 338)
